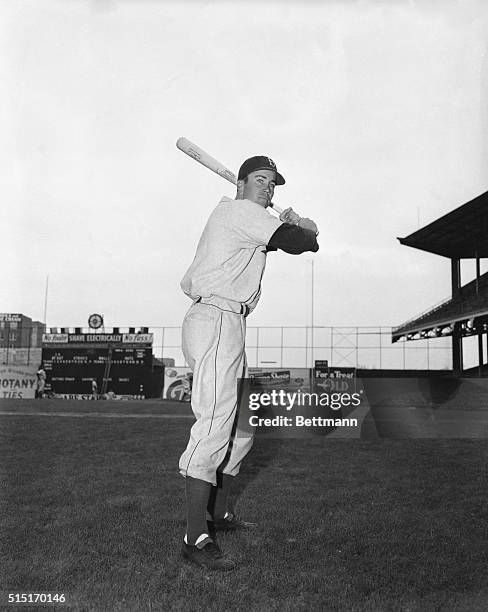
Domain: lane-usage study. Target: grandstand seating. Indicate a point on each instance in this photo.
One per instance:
(472, 299)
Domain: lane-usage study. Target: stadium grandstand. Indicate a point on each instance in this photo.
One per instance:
(458, 235)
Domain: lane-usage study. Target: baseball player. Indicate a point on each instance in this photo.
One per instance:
(224, 284)
(41, 382)
(94, 388)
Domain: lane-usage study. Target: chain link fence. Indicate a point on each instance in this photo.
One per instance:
(297, 347)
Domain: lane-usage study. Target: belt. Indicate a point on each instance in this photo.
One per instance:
(224, 304)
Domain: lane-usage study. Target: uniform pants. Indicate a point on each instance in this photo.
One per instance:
(213, 340)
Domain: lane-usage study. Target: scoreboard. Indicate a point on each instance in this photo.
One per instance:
(122, 368)
(97, 356)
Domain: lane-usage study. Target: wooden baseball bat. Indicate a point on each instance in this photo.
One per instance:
(201, 156)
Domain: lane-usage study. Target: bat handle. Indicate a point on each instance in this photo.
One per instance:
(276, 208)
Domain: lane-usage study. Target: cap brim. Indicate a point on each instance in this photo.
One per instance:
(279, 178)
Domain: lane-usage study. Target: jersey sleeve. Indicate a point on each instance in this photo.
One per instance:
(252, 223)
(293, 239)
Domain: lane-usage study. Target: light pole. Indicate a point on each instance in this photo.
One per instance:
(312, 312)
(45, 301)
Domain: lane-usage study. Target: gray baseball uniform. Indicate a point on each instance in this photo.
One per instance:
(224, 282)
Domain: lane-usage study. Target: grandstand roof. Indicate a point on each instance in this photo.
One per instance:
(471, 304)
(462, 233)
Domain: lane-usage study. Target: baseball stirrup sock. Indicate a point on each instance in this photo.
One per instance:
(197, 494)
(219, 496)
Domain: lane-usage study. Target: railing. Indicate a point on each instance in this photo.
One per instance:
(466, 301)
(422, 314)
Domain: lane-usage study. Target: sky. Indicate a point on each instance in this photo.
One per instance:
(374, 111)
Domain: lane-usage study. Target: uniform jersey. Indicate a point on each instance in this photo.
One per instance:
(231, 254)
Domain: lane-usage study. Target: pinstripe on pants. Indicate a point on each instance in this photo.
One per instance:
(213, 339)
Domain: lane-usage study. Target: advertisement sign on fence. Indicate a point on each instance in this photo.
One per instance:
(284, 378)
(177, 383)
(17, 382)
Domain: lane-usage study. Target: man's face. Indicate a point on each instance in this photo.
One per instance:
(259, 187)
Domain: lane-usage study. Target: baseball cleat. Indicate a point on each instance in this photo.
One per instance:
(230, 522)
(207, 555)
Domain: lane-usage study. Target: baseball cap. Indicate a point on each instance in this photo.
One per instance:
(259, 162)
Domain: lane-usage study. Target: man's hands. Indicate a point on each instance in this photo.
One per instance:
(290, 216)
(308, 224)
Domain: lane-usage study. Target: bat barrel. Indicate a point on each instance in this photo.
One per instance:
(202, 157)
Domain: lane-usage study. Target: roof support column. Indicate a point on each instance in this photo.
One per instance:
(457, 338)
(455, 277)
(480, 336)
(478, 272)
(480, 354)
(457, 348)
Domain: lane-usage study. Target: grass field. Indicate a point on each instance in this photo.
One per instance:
(92, 507)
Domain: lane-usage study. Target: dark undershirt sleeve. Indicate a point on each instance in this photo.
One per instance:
(293, 239)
